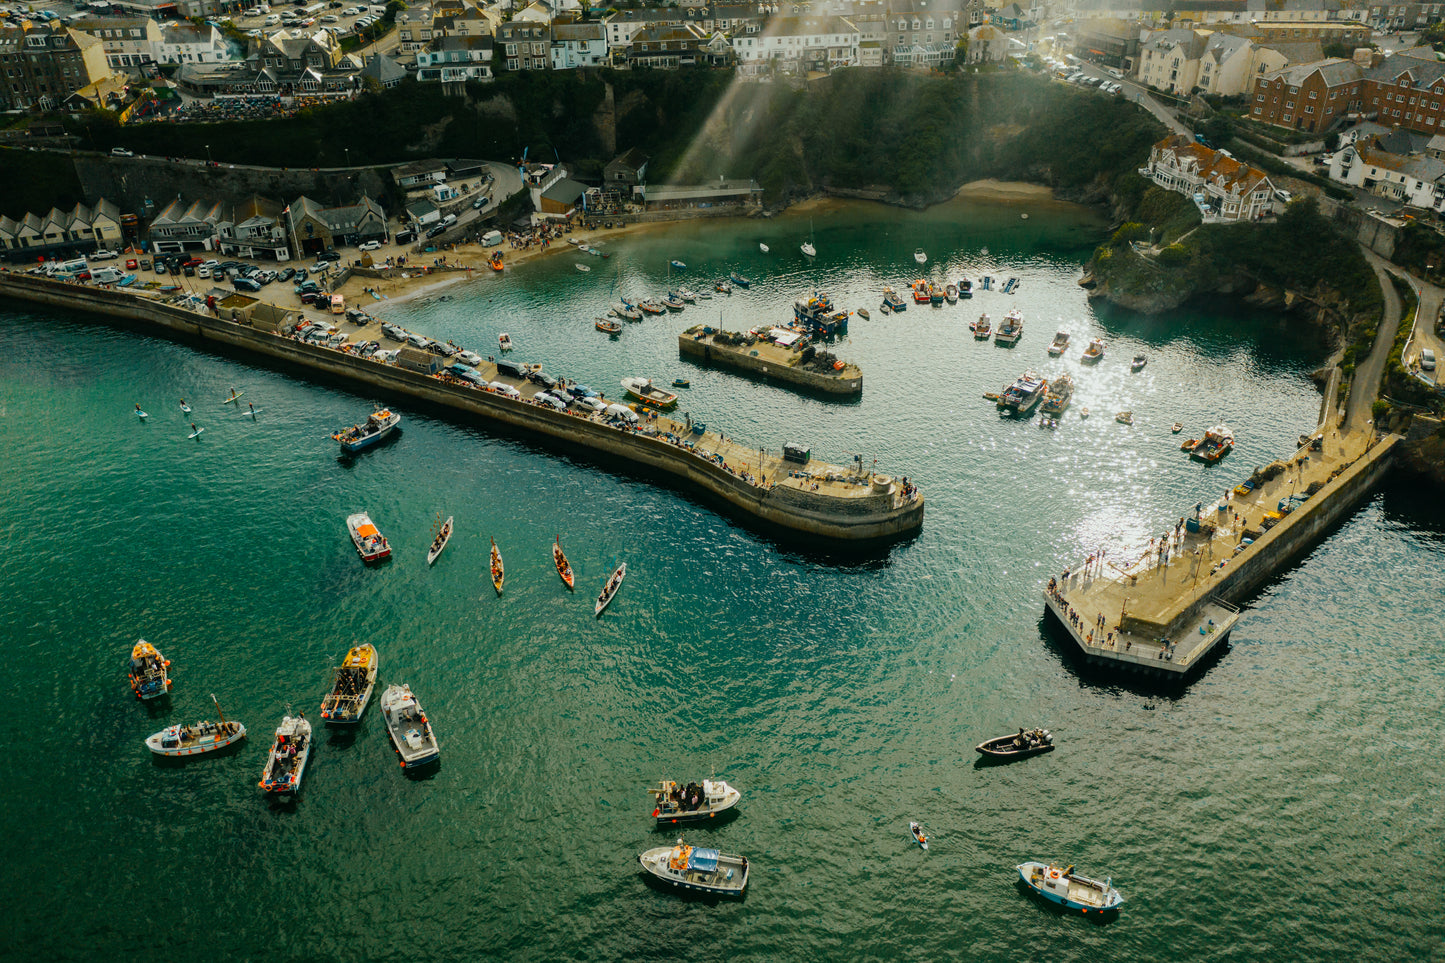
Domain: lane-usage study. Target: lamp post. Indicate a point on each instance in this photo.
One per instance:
(348, 155)
(208, 154)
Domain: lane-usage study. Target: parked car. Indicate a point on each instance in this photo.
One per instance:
(145, 264)
(300, 274)
(131, 264)
(393, 333)
(245, 284)
(328, 255)
(286, 274)
(591, 404)
(1427, 359)
(437, 231)
(121, 152)
(369, 246)
(541, 378)
(104, 255)
(266, 276)
(418, 340)
(203, 272)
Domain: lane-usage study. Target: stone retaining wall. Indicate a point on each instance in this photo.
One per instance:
(709, 353)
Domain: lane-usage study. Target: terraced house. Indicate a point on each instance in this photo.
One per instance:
(799, 45)
(41, 66)
(79, 230)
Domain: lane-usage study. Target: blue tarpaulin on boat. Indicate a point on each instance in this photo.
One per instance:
(703, 860)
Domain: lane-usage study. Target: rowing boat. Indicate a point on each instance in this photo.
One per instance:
(610, 589)
(497, 571)
(560, 560)
(443, 535)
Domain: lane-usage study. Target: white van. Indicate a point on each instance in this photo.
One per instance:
(376, 11)
(1427, 359)
(449, 219)
(106, 275)
(66, 267)
(273, 19)
(491, 238)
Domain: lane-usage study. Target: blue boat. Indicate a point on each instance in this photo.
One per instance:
(987, 283)
(1009, 285)
(819, 317)
(739, 280)
(679, 265)
(1069, 889)
(378, 425)
(126, 281)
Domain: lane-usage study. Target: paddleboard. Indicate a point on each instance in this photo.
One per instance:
(185, 407)
(195, 433)
(235, 397)
(253, 412)
(916, 831)
(141, 414)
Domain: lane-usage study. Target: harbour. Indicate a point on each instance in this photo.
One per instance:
(863, 687)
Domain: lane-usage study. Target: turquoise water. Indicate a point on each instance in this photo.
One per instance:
(1271, 809)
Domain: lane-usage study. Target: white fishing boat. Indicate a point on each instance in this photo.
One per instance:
(920, 257)
(647, 394)
(355, 680)
(1021, 396)
(203, 737)
(149, 678)
(1011, 328)
(691, 867)
(409, 729)
(1095, 350)
(1060, 345)
(1068, 889)
(286, 763)
(582, 267)
(692, 803)
(609, 591)
(763, 247)
(504, 341)
(439, 542)
(370, 544)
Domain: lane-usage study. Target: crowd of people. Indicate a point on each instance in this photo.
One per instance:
(250, 107)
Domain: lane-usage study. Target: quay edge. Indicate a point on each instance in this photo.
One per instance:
(770, 363)
(870, 516)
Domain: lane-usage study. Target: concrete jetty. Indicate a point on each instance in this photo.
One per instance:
(821, 505)
(1165, 611)
(751, 355)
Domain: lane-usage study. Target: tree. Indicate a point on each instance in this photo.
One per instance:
(1217, 130)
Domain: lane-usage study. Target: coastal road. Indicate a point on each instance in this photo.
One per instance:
(1365, 387)
(1424, 336)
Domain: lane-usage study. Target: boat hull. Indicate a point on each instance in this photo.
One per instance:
(221, 736)
(1070, 891)
(717, 798)
(998, 749)
(730, 878)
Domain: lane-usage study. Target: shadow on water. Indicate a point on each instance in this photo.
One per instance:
(1109, 679)
(159, 707)
(687, 895)
(1097, 917)
(425, 771)
(342, 737)
(716, 822)
(181, 762)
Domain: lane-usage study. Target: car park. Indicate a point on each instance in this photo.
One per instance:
(369, 246)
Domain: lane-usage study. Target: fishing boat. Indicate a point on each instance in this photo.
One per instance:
(564, 570)
(982, 328)
(377, 426)
(204, 736)
(892, 301)
(611, 327)
(140, 414)
(965, 288)
(504, 341)
(692, 803)
(1138, 363)
(439, 541)
(921, 294)
(739, 280)
(609, 591)
(643, 390)
(1021, 396)
(407, 725)
(1060, 344)
(148, 676)
(498, 572)
(352, 688)
(690, 867)
(370, 544)
(1057, 397)
(286, 763)
(678, 264)
(723, 287)
(919, 837)
(935, 293)
(1216, 443)
(950, 293)
(673, 303)
(1028, 742)
(582, 267)
(920, 257)
(1011, 328)
(1065, 887)
(1125, 417)
(1095, 350)
(649, 306)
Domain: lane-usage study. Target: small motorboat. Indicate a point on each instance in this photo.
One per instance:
(1125, 417)
(678, 264)
(643, 390)
(370, 544)
(407, 725)
(351, 691)
(892, 301)
(649, 306)
(950, 293)
(1084, 413)
(690, 867)
(498, 572)
(763, 247)
(439, 541)
(1095, 350)
(286, 763)
(808, 249)
(564, 570)
(1191, 444)
(686, 294)
(965, 288)
(611, 327)
(739, 280)
(681, 383)
(148, 676)
(1065, 887)
(504, 341)
(627, 311)
(609, 591)
(723, 287)
(1177, 427)
(919, 837)
(1028, 742)
(1060, 344)
(982, 328)
(1138, 363)
(582, 267)
(920, 257)
(693, 802)
(194, 740)
(862, 313)
(377, 426)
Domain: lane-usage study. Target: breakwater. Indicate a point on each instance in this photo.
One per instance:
(1164, 614)
(763, 359)
(823, 505)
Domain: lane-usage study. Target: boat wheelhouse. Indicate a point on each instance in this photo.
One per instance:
(1021, 396)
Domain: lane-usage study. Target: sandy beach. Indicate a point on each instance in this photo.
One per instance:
(992, 190)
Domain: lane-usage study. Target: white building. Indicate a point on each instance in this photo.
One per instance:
(1416, 179)
(186, 43)
(128, 41)
(1184, 61)
(805, 43)
(452, 59)
(1223, 188)
(578, 45)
